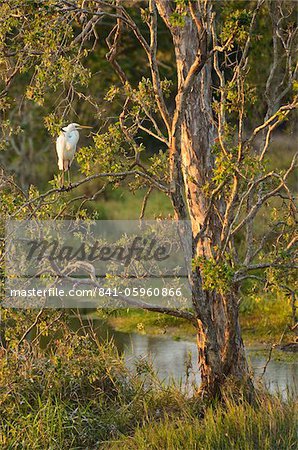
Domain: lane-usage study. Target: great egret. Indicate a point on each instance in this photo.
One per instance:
(66, 146)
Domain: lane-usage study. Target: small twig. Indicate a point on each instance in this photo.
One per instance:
(268, 360)
(31, 326)
(145, 201)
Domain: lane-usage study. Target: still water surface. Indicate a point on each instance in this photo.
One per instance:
(170, 357)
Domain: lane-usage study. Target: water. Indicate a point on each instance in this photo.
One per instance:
(169, 358)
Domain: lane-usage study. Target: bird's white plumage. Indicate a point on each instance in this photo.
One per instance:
(66, 145)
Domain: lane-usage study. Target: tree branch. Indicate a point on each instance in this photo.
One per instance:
(139, 173)
(154, 67)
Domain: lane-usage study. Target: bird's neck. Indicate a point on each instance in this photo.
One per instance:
(71, 132)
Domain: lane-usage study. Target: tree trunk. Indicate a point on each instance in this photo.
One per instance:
(220, 346)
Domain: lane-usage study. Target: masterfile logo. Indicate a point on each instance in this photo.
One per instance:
(96, 263)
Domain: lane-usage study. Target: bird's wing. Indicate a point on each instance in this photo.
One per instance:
(71, 145)
(60, 149)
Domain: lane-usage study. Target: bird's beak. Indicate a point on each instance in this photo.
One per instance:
(85, 126)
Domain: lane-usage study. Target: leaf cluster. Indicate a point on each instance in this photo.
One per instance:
(215, 275)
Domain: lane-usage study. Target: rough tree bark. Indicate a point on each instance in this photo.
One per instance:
(220, 346)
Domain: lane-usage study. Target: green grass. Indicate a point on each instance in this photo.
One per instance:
(76, 397)
(121, 204)
(268, 426)
(145, 322)
(264, 320)
(81, 396)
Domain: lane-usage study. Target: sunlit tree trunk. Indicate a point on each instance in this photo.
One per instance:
(220, 346)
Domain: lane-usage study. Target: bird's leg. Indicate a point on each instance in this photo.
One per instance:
(62, 179)
(69, 182)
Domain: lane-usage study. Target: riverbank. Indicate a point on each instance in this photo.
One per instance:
(265, 323)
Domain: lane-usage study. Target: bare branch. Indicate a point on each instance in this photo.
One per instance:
(73, 186)
(285, 109)
(252, 213)
(154, 67)
(113, 50)
(34, 323)
(156, 136)
(137, 303)
(145, 201)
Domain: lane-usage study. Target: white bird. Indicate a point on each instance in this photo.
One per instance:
(66, 146)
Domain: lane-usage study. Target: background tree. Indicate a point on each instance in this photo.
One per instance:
(212, 158)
